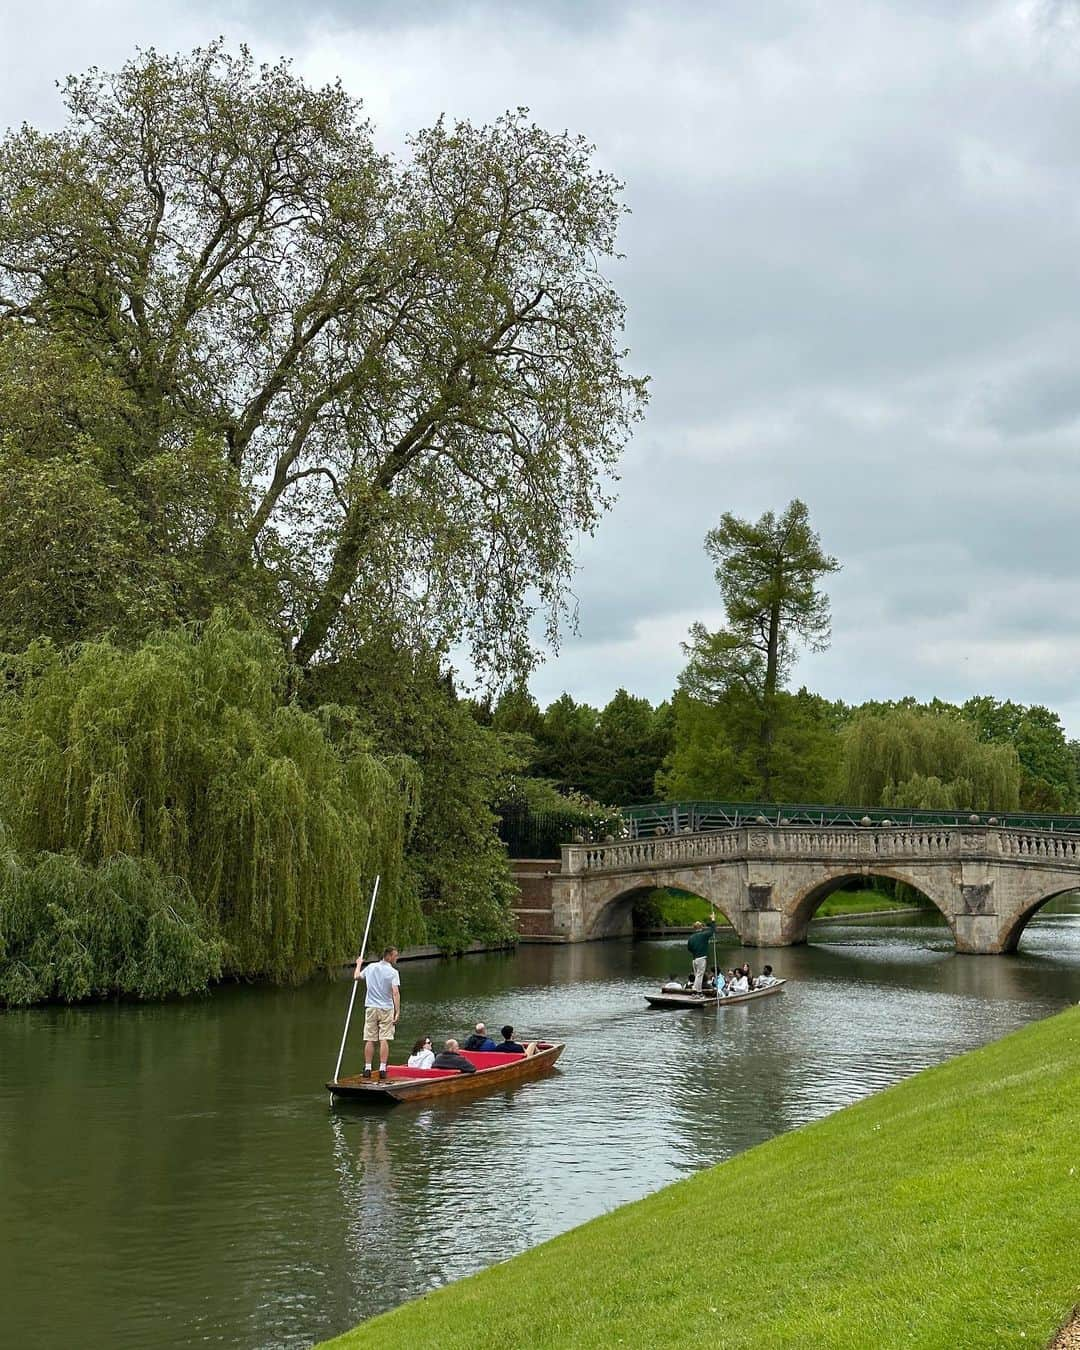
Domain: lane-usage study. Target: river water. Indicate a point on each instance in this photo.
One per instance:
(173, 1175)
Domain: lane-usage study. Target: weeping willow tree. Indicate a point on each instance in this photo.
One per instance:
(187, 751)
(72, 931)
(929, 761)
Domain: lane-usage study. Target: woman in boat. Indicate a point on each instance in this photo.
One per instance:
(423, 1056)
(740, 985)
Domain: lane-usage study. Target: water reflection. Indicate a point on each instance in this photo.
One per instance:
(178, 1171)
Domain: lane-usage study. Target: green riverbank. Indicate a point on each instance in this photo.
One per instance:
(670, 909)
(939, 1213)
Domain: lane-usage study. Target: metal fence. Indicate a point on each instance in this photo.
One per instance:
(680, 817)
(535, 834)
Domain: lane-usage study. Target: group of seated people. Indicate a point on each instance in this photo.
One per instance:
(740, 981)
(450, 1056)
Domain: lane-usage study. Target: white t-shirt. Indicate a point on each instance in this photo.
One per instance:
(380, 977)
(423, 1059)
(739, 985)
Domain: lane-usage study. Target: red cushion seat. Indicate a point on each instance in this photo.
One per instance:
(403, 1071)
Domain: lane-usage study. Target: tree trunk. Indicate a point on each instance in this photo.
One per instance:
(768, 702)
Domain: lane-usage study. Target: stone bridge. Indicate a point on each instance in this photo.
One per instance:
(988, 881)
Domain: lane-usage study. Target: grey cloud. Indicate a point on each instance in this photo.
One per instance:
(1042, 400)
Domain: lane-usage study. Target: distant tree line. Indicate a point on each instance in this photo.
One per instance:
(984, 753)
(734, 732)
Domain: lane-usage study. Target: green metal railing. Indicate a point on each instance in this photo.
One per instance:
(678, 817)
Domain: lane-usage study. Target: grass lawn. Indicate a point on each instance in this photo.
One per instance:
(943, 1213)
(858, 902)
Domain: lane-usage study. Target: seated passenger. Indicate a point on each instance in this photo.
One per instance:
(422, 1057)
(508, 1046)
(745, 970)
(765, 979)
(451, 1058)
(740, 984)
(480, 1040)
(719, 983)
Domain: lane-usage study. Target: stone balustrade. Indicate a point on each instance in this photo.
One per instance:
(987, 880)
(828, 842)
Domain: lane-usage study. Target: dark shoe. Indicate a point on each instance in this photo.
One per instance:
(366, 1073)
(382, 1075)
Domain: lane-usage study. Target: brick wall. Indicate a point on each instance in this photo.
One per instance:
(532, 909)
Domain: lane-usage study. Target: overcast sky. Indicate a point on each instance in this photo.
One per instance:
(853, 273)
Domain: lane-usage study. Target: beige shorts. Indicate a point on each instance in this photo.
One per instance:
(378, 1024)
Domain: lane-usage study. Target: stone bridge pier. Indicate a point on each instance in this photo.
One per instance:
(987, 881)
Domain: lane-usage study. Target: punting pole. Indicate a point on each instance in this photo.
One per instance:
(716, 972)
(352, 996)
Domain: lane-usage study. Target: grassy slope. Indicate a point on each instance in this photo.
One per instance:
(943, 1213)
(858, 902)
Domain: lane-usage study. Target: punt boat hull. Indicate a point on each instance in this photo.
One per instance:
(692, 1000)
(412, 1085)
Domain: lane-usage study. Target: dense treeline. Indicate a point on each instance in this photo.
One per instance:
(609, 754)
(734, 732)
(981, 754)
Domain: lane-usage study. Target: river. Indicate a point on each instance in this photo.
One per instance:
(173, 1176)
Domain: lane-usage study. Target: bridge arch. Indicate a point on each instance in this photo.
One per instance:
(1014, 925)
(802, 908)
(610, 908)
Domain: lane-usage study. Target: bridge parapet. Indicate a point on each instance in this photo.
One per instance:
(895, 843)
(987, 880)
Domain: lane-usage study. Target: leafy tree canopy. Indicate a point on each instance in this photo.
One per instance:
(186, 752)
(1047, 760)
(353, 392)
(455, 867)
(768, 572)
(715, 756)
(905, 757)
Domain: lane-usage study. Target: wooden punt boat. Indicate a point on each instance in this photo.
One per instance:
(688, 999)
(411, 1085)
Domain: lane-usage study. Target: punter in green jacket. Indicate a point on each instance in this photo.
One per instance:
(698, 946)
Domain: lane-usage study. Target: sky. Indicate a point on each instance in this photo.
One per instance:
(852, 272)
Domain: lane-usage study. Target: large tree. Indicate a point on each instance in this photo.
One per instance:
(917, 758)
(716, 757)
(366, 392)
(768, 572)
(1047, 763)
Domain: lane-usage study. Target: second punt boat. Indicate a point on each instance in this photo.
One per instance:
(688, 999)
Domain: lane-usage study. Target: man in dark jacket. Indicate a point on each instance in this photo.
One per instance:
(480, 1040)
(508, 1046)
(451, 1058)
(698, 947)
